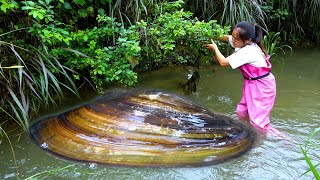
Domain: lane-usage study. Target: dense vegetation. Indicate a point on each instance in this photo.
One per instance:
(297, 20)
(56, 44)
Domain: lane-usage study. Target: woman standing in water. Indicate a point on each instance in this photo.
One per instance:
(259, 88)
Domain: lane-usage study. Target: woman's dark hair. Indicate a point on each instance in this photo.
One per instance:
(253, 31)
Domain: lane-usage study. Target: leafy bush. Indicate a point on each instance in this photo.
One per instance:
(106, 53)
(166, 36)
(109, 52)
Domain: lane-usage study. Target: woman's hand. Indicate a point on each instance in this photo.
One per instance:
(212, 46)
(222, 60)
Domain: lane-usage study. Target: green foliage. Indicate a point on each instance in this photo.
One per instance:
(169, 31)
(292, 17)
(296, 18)
(276, 14)
(91, 38)
(39, 10)
(242, 10)
(8, 5)
(51, 35)
(80, 2)
(229, 12)
(108, 52)
(273, 43)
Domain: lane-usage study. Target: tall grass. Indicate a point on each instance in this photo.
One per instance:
(311, 14)
(272, 43)
(242, 10)
(295, 17)
(229, 12)
(304, 15)
(291, 22)
(132, 11)
(30, 79)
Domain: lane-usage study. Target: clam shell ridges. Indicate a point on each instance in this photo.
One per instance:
(143, 128)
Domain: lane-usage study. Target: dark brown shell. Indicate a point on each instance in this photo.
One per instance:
(143, 128)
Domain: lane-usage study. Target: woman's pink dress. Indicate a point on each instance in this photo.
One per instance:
(258, 96)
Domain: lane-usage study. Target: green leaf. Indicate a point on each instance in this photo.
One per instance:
(81, 2)
(4, 8)
(101, 12)
(64, 32)
(312, 135)
(41, 2)
(90, 9)
(312, 167)
(31, 3)
(85, 37)
(40, 16)
(82, 12)
(104, 2)
(118, 72)
(67, 5)
(35, 14)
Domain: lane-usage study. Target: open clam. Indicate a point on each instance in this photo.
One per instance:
(143, 128)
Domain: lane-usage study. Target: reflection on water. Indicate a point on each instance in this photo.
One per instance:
(295, 114)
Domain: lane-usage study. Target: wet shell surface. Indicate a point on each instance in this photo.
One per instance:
(143, 128)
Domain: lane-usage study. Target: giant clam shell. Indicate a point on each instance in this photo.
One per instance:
(143, 128)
